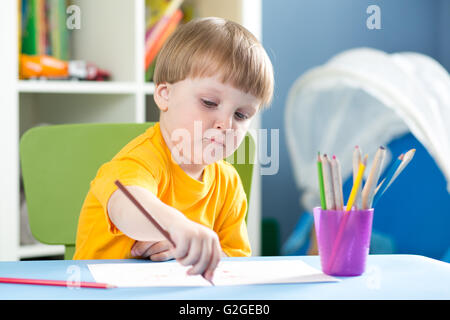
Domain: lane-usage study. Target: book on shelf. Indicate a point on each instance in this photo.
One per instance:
(30, 27)
(162, 19)
(45, 50)
(43, 28)
(168, 28)
(154, 10)
(57, 30)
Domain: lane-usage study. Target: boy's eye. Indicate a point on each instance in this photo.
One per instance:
(240, 116)
(209, 104)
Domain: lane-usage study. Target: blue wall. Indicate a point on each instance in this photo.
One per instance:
(444, 34)
(302, 34)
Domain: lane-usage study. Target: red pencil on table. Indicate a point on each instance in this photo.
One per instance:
(59, 283)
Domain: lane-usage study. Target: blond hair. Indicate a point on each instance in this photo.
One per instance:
(210, 46)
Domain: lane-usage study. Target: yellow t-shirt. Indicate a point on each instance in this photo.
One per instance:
(218, 202)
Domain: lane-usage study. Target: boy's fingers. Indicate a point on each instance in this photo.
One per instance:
(140, 247)
(215, 259)
(194, 253)
(159, 247)
(182, 249)
(205, 256)
(161, 256)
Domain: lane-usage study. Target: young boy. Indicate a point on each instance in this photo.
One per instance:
(212, 76)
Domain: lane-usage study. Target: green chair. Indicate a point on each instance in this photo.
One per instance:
(58, 163)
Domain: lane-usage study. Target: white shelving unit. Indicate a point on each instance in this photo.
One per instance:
(111, 36)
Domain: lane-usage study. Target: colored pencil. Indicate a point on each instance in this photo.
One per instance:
(356, 184)
(323, 203)
(328, 183)
(357, 155)
(405, 161)
(372, 180)
(59, 283)
(352, 197)
(337, 183)
(148, 216)
(387, 180)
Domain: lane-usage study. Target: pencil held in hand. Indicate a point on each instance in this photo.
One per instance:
(189, 258)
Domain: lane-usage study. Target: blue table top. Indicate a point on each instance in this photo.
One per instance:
(386, 277)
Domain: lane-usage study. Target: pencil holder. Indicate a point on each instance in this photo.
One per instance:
(343, 239)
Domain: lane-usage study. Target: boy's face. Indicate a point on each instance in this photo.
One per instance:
(204, 119)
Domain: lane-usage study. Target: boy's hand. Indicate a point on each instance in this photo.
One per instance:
(195, 245)
(155, 250)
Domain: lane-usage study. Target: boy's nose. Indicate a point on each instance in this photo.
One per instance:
(223, 124)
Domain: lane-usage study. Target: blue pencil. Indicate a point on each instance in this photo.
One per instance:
(387, 180)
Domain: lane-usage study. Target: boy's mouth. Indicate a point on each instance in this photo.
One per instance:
(216, 141)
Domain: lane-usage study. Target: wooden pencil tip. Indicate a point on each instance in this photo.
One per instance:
(382, 148)
(400, 157)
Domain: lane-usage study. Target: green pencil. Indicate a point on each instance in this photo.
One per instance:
(321, 187)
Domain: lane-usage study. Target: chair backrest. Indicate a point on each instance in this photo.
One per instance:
(58, 163)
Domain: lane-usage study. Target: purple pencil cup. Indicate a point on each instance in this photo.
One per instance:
(343, 239)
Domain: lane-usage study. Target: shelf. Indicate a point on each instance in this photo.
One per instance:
(40, 250)
(111, 36)
(149, 88)
(95, 87)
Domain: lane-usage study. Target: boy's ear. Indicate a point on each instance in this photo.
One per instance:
(161, 96)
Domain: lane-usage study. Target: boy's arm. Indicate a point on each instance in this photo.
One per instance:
(195, 244)
(128, 219)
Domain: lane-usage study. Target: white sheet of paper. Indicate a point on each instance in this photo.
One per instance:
(173, 274)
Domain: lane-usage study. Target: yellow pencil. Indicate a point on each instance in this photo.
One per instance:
(356, 184)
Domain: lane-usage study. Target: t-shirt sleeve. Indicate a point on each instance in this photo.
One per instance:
(233, 233)
(130, 173)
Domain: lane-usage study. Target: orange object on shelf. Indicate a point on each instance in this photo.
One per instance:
(42, 66)
(48, 67)
(156, 41)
